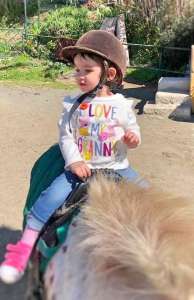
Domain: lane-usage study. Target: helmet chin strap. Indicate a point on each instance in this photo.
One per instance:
(103, 81)
(92, 93)
(112, 85)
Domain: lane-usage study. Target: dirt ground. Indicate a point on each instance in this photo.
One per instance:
(29, 126)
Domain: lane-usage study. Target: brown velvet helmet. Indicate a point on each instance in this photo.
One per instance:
(103, 44)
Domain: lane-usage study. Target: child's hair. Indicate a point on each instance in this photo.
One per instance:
(105, 64)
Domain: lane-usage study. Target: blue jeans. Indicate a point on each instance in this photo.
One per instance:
(56, 194)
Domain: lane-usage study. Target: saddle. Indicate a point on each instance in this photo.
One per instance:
(55, 230)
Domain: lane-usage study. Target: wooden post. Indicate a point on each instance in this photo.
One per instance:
(121, 34)
(116, 25)
(192, 79)
(25, 19)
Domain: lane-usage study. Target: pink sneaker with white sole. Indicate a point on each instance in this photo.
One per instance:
(15, 263)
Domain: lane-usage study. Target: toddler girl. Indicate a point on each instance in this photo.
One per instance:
(95, 135)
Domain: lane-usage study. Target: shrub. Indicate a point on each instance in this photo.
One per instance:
(69, 22)
(143, 75)
(142, 31)
(54, 70)
(14, 10)
(168, 26)
(181, 34)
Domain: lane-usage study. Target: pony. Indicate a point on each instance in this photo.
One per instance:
(127, 243)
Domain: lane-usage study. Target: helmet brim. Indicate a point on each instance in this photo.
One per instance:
(68, 53)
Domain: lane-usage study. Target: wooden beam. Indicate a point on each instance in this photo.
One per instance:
(192, 79)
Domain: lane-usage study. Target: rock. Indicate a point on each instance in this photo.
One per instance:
(174, 85)
(171, 98)
(159, 109)
(182, 112)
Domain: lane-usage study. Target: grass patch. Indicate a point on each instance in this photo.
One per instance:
(27, 71)
(23, 70)
(143, 75)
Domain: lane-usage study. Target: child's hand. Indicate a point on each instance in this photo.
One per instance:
(130, 139)
(80, 169)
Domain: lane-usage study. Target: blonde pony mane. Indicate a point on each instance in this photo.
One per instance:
(142, 232)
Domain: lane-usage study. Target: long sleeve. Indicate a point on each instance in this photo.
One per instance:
(130, 121)
(68, 146)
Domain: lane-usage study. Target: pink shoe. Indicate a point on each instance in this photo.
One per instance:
(16, 260)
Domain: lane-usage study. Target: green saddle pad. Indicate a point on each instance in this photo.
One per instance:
(48, 166)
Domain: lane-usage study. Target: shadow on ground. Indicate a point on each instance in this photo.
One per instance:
(15, 291)
(142, 92)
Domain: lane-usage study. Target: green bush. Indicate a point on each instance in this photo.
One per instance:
(13, 10)
(142, 31)
(54, 70)
(69, 22)
(143, 75)
(4, 48)
(10, 42)
(181, 34)
(163, 29)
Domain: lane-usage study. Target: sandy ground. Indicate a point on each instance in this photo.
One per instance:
(29, 126)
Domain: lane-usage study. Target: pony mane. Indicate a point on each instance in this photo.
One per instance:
(144, 231)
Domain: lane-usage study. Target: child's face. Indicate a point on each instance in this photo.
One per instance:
(87, 72)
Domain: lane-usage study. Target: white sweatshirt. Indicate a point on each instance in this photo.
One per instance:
(97, 127)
